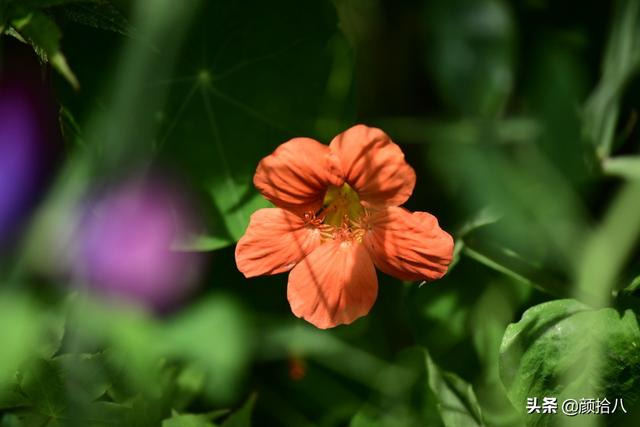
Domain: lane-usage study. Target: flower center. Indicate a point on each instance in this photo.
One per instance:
(341, 206)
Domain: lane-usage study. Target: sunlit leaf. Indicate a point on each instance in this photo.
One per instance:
(44, 34)
(563, 349)
(187, 420)
(20, 334)
(627, 167)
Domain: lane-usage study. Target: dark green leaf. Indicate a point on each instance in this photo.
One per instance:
(255, 81)
(10, 420)
(98, 14)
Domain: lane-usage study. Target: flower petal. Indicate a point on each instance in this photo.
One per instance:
(408, 246)
(374, 166)
(335, 285)
(274, 242)
(297, 174)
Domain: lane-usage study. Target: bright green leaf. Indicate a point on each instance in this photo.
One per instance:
(627, 167)
(187, 420)
(564, 349)
(214, 337)
(20, 334)
(44, 35)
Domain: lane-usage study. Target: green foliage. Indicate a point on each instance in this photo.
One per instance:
(429, 396)
(562, 348)
(520, 119)
(242, 417)
(456, 400)
(253, 82)
(187, 420)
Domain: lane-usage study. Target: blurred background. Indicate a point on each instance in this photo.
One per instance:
(129, 135)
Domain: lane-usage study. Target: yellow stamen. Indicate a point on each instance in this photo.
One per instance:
(341, 206)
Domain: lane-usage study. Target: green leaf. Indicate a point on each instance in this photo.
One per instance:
(634, 286)
(203, 243)
(98, 14)
(609, 246)
(456, 401)
(42, 383)
(84, 374)
(44, 35)
(627, 167)
(214, 337)
(508, 262)
(99, 414)
(11, 420)
(187, 420)
(242, 417)
(564, 349)
(424, 395)
(22, 337)
(257, 79)
(364, 419)
(11, 396)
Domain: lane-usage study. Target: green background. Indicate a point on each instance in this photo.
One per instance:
(520, 118)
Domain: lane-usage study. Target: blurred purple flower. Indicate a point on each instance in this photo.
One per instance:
(29, 136)
(125, 245)
(17, 149)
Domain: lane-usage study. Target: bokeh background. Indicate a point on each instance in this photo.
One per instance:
(129, 134)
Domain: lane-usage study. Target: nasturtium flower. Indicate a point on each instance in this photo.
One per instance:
(337, 216)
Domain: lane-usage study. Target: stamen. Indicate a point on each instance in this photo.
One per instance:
(341, 205)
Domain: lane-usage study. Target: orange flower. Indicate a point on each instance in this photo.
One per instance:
(337, 216)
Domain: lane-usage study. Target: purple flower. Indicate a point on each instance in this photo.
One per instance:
(29, 137)
(125, 245)
(17, 150)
